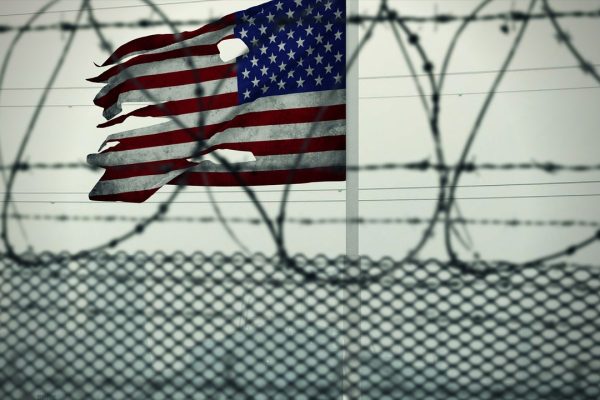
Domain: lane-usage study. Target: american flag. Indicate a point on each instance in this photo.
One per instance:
(283, 101)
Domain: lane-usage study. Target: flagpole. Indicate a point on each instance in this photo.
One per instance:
(352, 296)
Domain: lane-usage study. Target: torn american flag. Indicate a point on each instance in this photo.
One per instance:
(283, 98)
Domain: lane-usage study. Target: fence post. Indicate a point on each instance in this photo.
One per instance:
(351, 296)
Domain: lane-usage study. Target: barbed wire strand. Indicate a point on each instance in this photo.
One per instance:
(550, 167)
(308, 221)
(445, 18)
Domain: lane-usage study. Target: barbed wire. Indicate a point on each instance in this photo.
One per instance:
(550, 167)
(442, 18)
(209, 219)
(510, 16)
(32, 166)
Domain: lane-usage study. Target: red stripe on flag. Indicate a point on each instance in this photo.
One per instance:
(262, 118)
(149, 168)
(278, 177)
(166, 80)
(179, 107)
(204, 50)
(152, 42)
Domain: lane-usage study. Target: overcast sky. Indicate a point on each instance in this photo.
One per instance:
(524, 125)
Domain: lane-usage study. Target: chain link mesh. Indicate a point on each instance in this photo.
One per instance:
(139, 326)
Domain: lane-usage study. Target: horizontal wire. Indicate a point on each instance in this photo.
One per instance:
(319, 201)
(482, 185)
(459, 94)
(360, 97)
(457, 73)
(511, 222)
(477, 72)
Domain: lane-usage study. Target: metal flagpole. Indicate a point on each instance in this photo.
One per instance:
(352, 301)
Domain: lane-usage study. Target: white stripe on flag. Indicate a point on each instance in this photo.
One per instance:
(171, 93)
(297, 100)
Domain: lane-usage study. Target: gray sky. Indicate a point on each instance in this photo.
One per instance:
(560, 126)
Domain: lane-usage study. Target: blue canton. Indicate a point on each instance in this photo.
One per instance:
(296, 46)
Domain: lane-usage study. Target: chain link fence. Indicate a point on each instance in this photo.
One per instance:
(140, 326)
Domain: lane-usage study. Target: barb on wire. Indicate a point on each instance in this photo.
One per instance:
(32, 166)
(563, 37)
